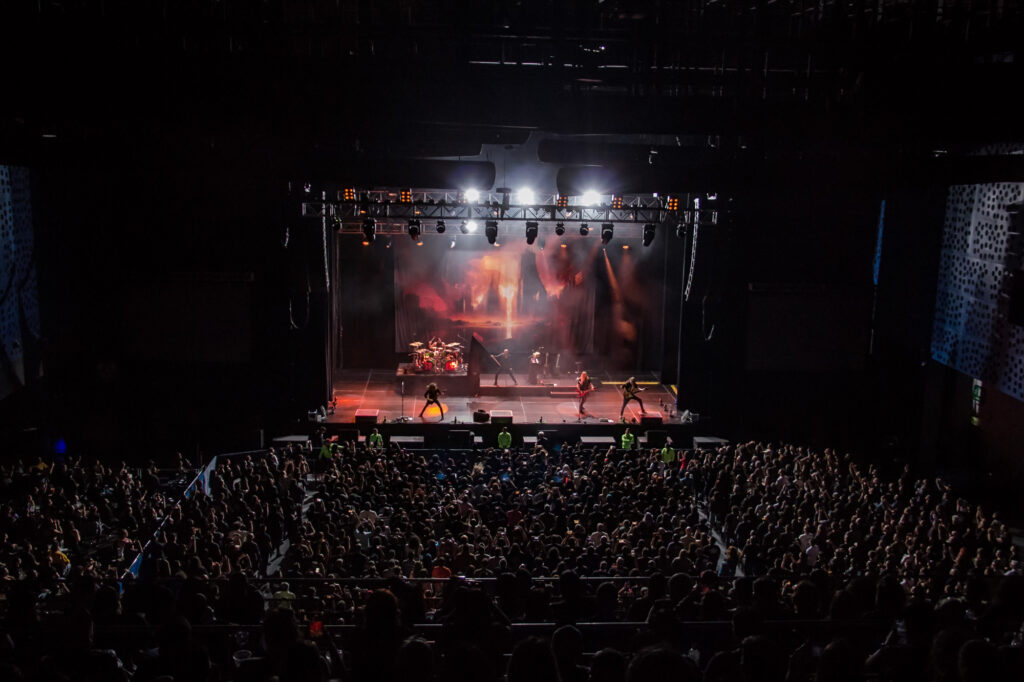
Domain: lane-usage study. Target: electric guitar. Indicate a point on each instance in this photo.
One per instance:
(580, 392)
(627, 392)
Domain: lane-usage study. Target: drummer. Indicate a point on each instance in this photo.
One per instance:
(436, 343)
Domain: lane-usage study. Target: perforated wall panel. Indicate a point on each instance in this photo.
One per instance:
(972, 332)
(19, 307)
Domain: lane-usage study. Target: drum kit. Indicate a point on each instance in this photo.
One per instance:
(437, 357)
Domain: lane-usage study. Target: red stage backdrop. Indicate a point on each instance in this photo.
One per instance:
(515, 295)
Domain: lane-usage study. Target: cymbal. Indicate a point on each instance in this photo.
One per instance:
(535, 353)
(416, 344)
(452, 345)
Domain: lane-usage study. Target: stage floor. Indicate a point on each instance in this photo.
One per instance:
(375, 389)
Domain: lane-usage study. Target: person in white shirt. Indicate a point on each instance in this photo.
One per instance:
(812, 555)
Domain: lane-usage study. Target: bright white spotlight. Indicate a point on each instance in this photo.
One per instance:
(525, 196)
(590, 197)
(471, 225)
(472, 195)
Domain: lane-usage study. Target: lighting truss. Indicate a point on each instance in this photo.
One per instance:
(391, 214)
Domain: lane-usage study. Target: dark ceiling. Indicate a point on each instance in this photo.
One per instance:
(347, 79)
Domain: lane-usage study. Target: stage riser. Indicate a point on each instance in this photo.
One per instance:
(513, 391)
(451, 384)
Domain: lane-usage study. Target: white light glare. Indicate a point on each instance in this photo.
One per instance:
(591, 197)
(471, 225)
(525, 196)
(472, 195)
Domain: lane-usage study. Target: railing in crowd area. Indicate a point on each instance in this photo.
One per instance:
(202, 480)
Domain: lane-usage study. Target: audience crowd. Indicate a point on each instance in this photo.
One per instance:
(750, 562)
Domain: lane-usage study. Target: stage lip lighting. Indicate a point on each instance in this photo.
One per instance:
(531, 231)
(590, 197)
(560, 229)
(525, 196)
(584, 229)
(472, 195)
(491, 230)
(440, 227)
(607, 232)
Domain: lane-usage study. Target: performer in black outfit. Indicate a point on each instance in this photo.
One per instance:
(432, 394)
(629, 392)
(534, 373)
(502, 360)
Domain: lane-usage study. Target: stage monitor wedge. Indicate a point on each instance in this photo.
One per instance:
(367, 417)
(651, 418)
(501, 416)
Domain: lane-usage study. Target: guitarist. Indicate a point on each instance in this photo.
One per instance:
(583, 387)
(629, 392)
(502, 360)
(432, 394)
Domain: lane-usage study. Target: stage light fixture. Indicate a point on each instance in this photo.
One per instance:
(531, 231)
(348, 194)
(451, 245)
(414, 228)
(405, 196)
(491, 230)
(562, 201)
(616, 202)
(472, 195)
(584, 229)
(369, 230)
(440, 227)
(590, 197)
(525, 196)
(607, 232)
(560, 229)
(470, 225)
(673, 204)
(649, 232)
(625, 247)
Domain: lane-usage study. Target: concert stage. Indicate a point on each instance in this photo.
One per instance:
(550, 407)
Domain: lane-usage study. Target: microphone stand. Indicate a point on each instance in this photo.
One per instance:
(403, 418)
